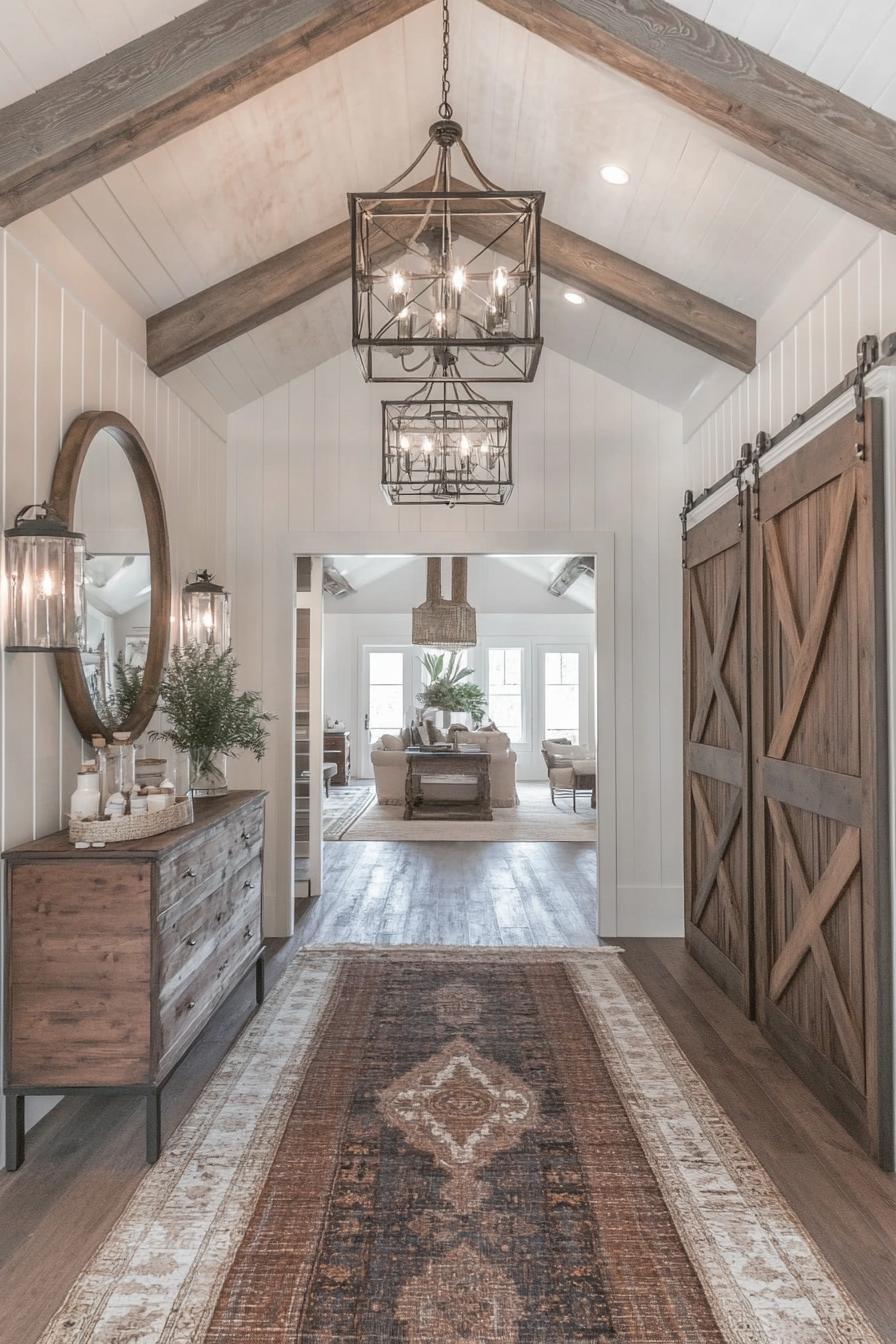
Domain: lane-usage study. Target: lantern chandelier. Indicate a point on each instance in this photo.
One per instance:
(445, 276)
(446, 445)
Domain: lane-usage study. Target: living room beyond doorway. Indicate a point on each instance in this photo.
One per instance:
(483, 741)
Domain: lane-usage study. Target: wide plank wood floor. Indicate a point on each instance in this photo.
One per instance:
(85, 1159)
(477, 894)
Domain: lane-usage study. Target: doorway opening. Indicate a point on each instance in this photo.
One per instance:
(508, 857)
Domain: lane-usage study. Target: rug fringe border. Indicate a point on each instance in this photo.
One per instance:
(457, 952)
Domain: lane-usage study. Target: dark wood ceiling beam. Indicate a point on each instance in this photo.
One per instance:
(832, 145)
(165, 83)
(206, 320)
(647, 295)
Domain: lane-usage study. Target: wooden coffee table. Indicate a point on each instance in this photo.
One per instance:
(435, 766)
(584, 777)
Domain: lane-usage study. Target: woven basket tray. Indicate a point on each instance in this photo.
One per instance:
(115, 829)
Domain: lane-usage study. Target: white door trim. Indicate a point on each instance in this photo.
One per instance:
(598, 544)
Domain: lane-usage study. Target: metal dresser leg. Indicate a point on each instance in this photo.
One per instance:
(15, 1130)
(153, 1125)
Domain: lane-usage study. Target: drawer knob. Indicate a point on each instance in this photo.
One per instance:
(244, 837)
(248, 933)
(191, 942)
(191, 872)
(247, 886)
(219, 916)
(191, 1004)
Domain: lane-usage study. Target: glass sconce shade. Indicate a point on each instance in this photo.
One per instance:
(446, 445)
(45, 592)
(205, 609)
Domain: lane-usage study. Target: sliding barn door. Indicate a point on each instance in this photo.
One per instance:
(718, 914)
(820, 806)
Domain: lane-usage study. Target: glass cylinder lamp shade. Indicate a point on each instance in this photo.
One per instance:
(44, 587)
(447, 446)
(446, 277)
(205, 610)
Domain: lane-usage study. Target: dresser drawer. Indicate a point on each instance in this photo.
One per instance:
(192, 996)
(191, 928)
(205, 863)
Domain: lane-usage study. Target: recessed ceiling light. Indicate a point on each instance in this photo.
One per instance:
(616, 176)
(572, 297)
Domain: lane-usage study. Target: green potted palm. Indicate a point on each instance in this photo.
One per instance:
(207, 719)
(449, 690)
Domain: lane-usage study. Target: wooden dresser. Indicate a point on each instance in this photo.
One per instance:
(338, 752)
(117, 958)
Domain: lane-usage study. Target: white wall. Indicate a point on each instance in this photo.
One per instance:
(818, 346)
(56, 360)
(346, 635)
(591, 458)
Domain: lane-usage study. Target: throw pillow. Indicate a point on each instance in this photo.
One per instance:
(392, 743)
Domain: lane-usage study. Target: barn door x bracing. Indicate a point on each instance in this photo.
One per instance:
(718, 913)
(820, 804)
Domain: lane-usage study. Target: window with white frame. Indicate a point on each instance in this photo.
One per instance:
(561, 695)
(505, 690)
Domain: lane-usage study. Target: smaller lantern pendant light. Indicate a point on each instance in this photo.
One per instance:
(45, 593)
(205, 608)
(441, 622)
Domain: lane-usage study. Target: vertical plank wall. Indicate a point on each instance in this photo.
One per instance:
(56, 359)
(814, 354)
(589, 456)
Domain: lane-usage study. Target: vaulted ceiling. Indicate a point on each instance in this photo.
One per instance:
(274, 170)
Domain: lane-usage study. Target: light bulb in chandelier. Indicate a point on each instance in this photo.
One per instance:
(398, 291)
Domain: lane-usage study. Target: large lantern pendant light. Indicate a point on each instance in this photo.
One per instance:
(446, 275)
(45, 594)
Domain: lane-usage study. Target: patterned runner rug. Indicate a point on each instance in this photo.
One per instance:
(450, 1146)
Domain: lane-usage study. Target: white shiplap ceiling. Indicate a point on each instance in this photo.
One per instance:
(276, 169)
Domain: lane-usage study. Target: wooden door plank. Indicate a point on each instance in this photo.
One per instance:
(715, 654)
(804, 666)
(715, 871)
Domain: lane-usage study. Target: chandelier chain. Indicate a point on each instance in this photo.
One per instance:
(445, 109)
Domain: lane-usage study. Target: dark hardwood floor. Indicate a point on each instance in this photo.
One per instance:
(85, 1159)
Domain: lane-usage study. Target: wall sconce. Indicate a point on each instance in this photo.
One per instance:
(45, 592)
(205, 609)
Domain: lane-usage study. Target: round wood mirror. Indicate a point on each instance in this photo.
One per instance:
(105, 486)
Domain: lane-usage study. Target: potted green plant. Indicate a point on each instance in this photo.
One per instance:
(206, 718)
(449, 690)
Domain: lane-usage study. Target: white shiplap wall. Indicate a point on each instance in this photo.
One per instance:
(805, 363)
(56, 360)
(590, 457)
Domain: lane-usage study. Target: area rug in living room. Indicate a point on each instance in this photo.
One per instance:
(535, 820)
(443, 1146)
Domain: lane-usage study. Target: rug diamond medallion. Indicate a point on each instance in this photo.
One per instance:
(459, 1106)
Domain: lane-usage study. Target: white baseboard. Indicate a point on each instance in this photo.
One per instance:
(650, 912)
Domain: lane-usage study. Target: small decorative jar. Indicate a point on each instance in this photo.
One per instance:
(85, 801)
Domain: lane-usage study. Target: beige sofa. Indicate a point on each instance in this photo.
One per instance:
(390, 769)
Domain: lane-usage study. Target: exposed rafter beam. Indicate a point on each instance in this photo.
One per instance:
(165, 83)
(642, 293)
(199, 324)
(830, 144)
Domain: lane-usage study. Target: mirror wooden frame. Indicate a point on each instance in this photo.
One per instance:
(66, 475)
